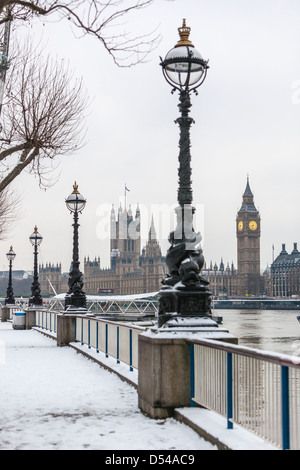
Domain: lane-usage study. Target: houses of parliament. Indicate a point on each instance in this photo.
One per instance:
(134, 270)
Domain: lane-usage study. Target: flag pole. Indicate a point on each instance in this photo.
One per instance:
(126, 189)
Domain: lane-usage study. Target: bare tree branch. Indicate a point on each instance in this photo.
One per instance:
(43, 116)
(96, 18)
(9, 210)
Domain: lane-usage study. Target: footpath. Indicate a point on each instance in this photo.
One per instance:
(56, 399)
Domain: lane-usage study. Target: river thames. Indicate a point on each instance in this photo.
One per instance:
(270, 330)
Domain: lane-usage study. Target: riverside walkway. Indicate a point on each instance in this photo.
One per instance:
(56, 399)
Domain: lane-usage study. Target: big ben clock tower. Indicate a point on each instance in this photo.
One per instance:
(248, 245)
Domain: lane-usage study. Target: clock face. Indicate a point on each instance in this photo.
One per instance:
(252, 225)
(240, 226)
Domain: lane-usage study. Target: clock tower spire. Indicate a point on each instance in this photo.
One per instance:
(248, 244)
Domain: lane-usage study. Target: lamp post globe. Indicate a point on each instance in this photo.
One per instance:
(75, 298)
(75, 202)
(9, 299)
(36, 298)
(183, 67)
(184, 292)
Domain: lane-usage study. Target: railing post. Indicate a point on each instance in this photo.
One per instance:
(130, 350)
(106, 340)
(285, 407)
(229, 391)
(118, 345)
(75, 328)
(97, 336)
(65, 329)
(82, 332)
(192, 379)
(89, 334)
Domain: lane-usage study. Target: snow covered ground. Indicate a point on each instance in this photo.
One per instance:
(55, 399)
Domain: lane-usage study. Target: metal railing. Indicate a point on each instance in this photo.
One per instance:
(19, 302)
(46, 320)
(257, 390)
(112, 305)
(117, 340)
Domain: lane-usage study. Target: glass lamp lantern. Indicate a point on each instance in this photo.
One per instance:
(11, 254)
(75, 202)
(35, 238)
(183, 67)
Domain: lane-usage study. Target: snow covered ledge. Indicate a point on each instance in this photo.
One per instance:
(164, 363)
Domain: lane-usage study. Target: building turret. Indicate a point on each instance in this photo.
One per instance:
(248, 244)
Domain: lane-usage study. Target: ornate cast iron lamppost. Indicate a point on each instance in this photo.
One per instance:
(75, 298)
(184, 293)
(9, 299)
(36, 298)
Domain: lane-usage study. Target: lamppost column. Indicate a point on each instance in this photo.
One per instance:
(76, 240)
(36, 298)
(185, 292)
(185, 193)
(75, 297)
(10, 293)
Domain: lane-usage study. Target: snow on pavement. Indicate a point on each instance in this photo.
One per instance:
(55, 399)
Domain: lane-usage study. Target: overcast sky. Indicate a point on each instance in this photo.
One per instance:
(247, 117)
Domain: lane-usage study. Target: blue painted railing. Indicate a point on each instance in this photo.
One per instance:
(255, 389)
(46, 320)
(117, 340)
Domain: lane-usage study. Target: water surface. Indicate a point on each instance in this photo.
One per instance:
(271, 330)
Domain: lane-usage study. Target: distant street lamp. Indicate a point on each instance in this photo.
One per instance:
(184, 291)
(9, 299)
(36, 298)
(75, 298)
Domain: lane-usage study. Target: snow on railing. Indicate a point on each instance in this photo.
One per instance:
(255, 389)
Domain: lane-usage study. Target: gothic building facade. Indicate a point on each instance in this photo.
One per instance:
(248, 245)
(52, 280)
(245, 279)
(134, 270)
(285, 273)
